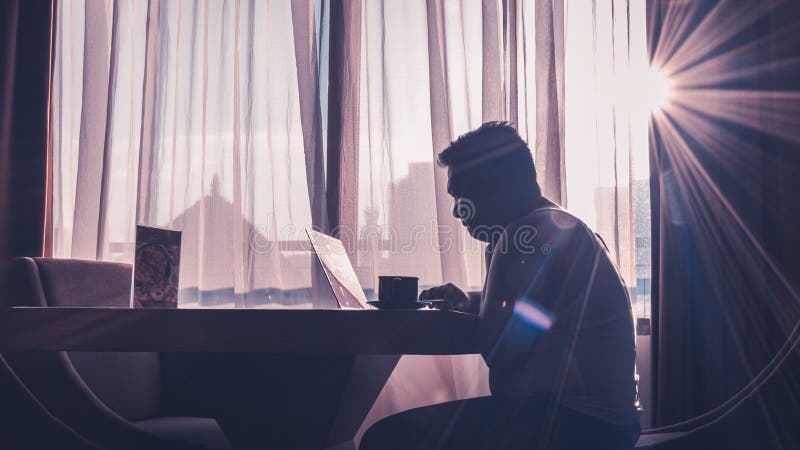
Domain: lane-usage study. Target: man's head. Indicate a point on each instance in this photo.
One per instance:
(491, 176)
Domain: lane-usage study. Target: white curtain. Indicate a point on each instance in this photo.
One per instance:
(608, 103)
(211, 116)
(201, 116)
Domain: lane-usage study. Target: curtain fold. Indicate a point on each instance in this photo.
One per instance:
(493, 98)
(511, 31)
(550, 119)
(25, 69)
(105, 181)
(151, 120)
(95, 105)
(305, 47)
(343, 120)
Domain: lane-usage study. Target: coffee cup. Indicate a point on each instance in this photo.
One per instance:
(397, 290)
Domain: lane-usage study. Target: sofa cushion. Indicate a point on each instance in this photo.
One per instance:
(196, 430)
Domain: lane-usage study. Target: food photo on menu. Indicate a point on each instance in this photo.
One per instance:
(156, 268)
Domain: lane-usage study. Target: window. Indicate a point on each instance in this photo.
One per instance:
(214, 121)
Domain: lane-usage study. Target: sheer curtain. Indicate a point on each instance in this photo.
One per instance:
(213, 117)
(201, 116)
(609, 99)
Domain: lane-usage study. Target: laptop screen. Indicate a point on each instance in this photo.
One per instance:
(338, 269)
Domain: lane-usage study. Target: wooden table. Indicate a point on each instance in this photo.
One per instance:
(276, 370)
(372, 332)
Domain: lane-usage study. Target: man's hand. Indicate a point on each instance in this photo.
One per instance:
(454, 298)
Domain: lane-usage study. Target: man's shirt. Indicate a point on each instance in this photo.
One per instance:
(557, 318)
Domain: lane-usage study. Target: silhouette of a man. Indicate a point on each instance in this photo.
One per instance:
(557, 328)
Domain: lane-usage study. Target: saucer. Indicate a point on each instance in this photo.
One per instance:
(382, 305)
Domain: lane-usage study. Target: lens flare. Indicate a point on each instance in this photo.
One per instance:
(533, 314)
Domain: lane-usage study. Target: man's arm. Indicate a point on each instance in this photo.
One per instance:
(454, 298)
(537, 270)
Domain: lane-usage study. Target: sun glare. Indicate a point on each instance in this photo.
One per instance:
(659, 89)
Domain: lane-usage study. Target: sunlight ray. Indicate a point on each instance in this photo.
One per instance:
(711, 234)
(717, 27)
(727, 73)
(738, 252)
(675, 19)
(712, 188)
(734, 153)
(737, 255)
(748, 55)
(750, 109)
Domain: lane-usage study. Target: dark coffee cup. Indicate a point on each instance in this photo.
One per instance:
(395, 291)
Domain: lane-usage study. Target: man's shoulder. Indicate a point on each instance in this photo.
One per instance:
(545, 233)
(549, 221)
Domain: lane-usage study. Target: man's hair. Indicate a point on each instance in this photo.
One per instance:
(494, 149)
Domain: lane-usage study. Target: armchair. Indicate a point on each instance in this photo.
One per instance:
(113, 399)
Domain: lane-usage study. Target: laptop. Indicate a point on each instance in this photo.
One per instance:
(339, 270)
